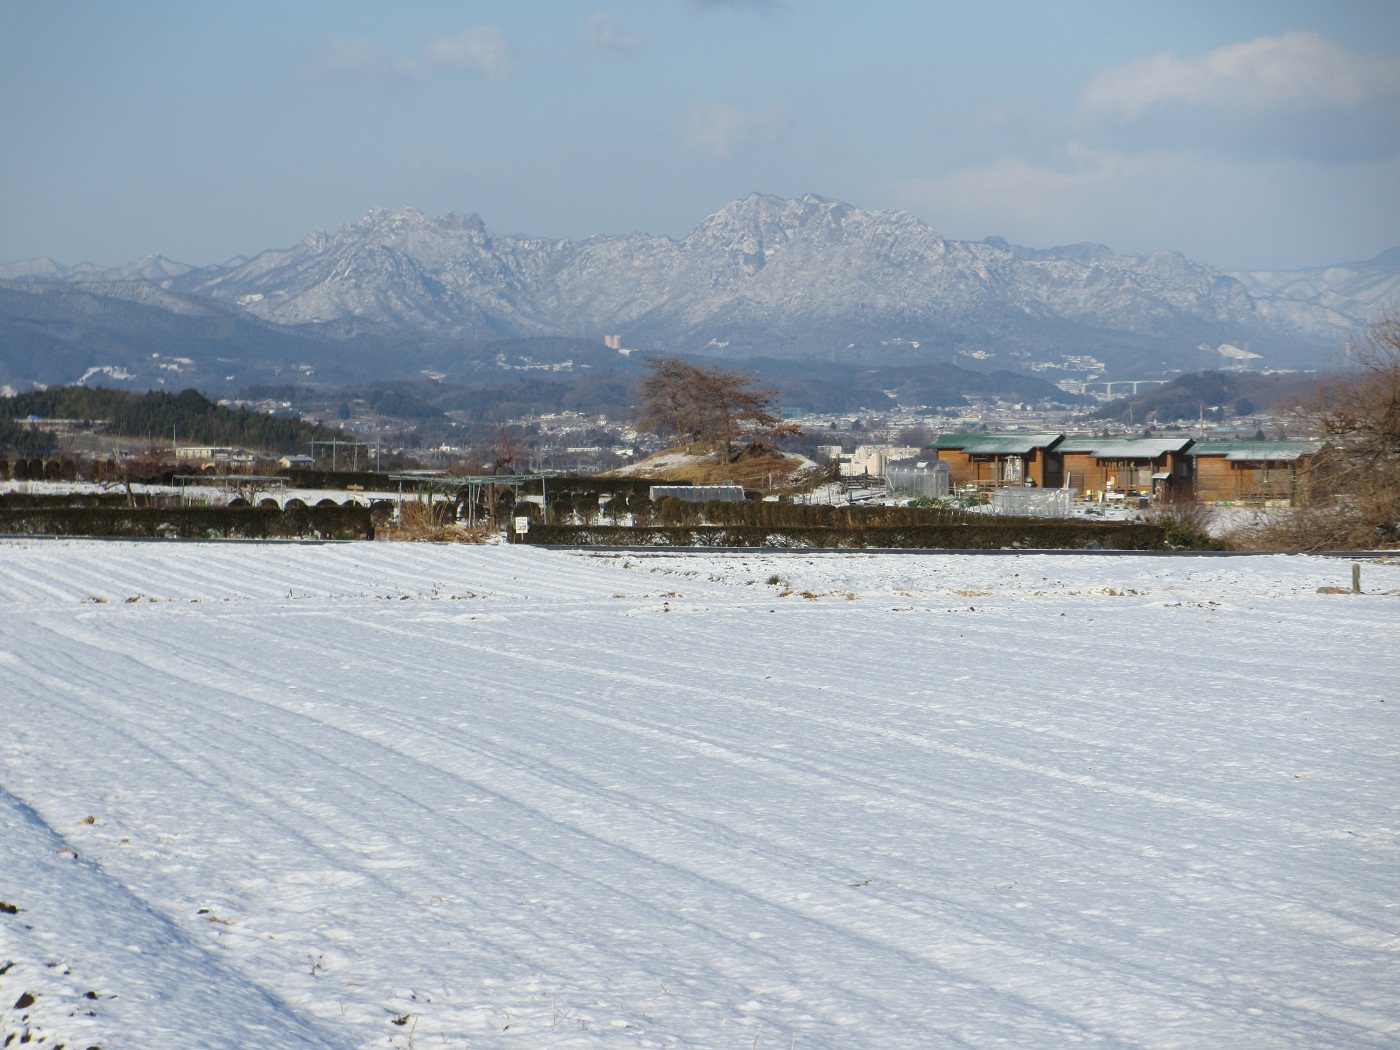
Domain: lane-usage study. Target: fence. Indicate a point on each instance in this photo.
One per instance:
(699, 493)
(1033, 503)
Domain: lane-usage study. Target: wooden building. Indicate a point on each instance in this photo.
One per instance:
(1157, 466)
(1251, 471)
(992, 461)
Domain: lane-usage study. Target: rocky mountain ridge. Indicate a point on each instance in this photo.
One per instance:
(789, 278)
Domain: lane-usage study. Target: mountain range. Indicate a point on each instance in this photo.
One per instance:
(402, 292)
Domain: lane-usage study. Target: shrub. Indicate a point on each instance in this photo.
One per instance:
(187, 522)
(1351, 489)
(586, 507)
(1186, 526)
(987, 534)
(435, 521)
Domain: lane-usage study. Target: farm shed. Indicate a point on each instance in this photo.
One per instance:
(1154, 466)
(1251, 471)
(999, 460)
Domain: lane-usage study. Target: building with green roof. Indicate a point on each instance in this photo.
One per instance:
(1249, 471)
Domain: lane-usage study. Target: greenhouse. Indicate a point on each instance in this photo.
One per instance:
(917, 477)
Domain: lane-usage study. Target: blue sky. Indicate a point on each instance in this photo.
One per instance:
(1244, 133)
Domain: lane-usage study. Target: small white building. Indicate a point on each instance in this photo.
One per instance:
(872, 459)
(214, 455)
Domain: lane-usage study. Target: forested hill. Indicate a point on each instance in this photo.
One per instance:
(190, 416)
(1238, 393)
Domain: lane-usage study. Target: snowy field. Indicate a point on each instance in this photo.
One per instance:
(400, 795)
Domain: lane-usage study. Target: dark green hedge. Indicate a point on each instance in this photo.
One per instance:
(35, 500)
(672, 511)
(999, 534)
(190, 522)
(371, 481)
(368, 480)
(578, 484)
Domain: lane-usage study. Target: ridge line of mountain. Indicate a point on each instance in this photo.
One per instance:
(797, 278)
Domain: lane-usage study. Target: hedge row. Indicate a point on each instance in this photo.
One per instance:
(576, 485)
(370, 481)
(999, 534)
(34, 500)
(671, 511)
(38, 469)
(348, 522)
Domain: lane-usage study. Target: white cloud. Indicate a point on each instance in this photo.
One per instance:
(1296, 94)
(1298, 70)
(1247, 155)
(481, 51)
(718, 130)
(606, 36)
(1229, 213)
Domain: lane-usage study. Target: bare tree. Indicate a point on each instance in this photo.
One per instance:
(714, 405)
(1352, 497)
(148, 467)
(734, 406)
(668, 397)
(503, 450)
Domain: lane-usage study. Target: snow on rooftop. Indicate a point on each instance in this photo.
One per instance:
(1125, 448)
(997, 444)
(357, 795)
(1245, 449)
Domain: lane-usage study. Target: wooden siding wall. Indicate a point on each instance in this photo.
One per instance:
(1088, 474)
(974, 469)
(959, 466)
(1219, 480)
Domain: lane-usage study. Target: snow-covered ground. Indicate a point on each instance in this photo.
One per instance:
(360, 795)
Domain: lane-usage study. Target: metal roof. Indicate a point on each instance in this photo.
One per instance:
(1140, 448)
(1246, 450)
(1272, 457)
(466, 479)
(1125, 448)
(997, 444)
(916, 464)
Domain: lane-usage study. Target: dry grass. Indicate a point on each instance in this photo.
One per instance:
(433, 523)
(754, 468)
(1339, 524)
(1188, 526)
(1352, 486)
